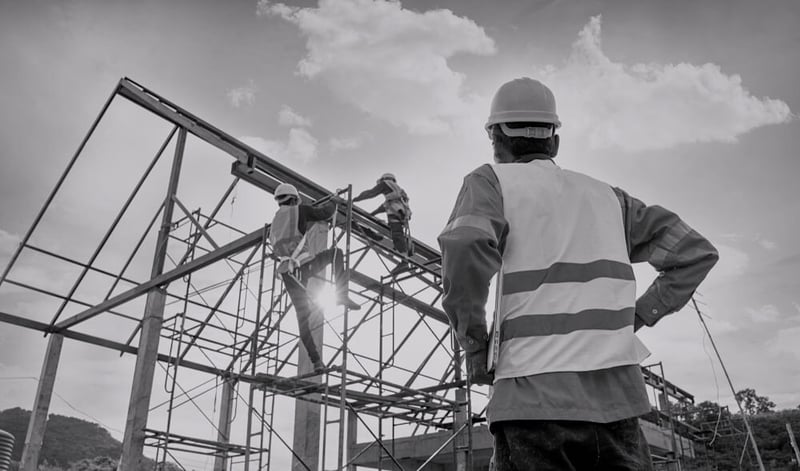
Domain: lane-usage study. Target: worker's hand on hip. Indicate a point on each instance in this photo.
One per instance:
(476, 368)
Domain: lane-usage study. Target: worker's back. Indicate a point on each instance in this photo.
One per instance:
(567, 286)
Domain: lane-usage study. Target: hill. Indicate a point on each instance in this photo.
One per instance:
(66, 441)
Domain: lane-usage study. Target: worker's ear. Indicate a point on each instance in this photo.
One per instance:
(554, 148)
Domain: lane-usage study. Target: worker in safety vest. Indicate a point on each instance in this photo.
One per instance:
(396, 207)
(562, 357)
(299, 237)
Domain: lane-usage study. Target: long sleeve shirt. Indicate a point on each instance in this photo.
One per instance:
(472, 247)
(308, 215)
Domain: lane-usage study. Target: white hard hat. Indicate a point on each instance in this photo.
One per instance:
(388, 176)
(286, 189)
(523, 100)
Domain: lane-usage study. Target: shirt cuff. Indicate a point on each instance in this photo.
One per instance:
(471, 344)
(650, 309)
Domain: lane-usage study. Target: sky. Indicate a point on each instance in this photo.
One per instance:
(688, 105)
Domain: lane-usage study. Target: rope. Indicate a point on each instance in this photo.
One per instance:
(730, 383)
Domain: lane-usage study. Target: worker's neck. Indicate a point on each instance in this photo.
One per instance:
(530, 157)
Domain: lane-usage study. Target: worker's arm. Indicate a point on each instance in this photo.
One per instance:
(471, 246)
(323, 212)
(681, 256)
(371, 193)
(378, 210)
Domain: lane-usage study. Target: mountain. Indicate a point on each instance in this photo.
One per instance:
(66, 440)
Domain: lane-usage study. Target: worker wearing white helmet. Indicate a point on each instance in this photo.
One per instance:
(563, 357)
(397, 209)
(299, 236)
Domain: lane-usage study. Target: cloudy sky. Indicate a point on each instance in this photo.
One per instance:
(688, 105)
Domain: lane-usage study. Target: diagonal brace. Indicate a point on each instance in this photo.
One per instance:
(203, 261)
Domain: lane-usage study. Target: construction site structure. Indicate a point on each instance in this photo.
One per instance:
(220, 379)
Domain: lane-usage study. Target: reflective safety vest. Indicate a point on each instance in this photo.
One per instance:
(396, 203)
(566, 290)
(289, 246)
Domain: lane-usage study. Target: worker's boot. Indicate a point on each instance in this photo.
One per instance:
(319, 367)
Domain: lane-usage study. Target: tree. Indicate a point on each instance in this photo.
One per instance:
(752, 403)
(100, 463)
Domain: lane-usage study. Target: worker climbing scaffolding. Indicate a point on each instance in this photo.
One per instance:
(398, 213)
(298, 235)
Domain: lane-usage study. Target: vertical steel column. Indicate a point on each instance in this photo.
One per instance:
(138, 407)
(461, 446)
(352, 437)
(346, 274)
(224, 425)
(41, 405)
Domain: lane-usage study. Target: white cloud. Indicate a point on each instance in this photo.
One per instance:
(388, 61)
(649, 105)
(732, 263)
(345, 143)
(245, 95)
(767, 244)
(289, 117)
(766, 313)
(300, 145)
(786, 342)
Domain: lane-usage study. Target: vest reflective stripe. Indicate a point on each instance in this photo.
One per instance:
(567, 291)
(566, 272)
(396, 203)
(560, 324)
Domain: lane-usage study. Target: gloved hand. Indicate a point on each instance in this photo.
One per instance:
(476, 368)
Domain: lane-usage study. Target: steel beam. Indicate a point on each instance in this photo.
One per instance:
(203, 261)
(141, 389)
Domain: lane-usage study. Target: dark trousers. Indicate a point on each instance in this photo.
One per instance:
(309, 314)
(397, 226)
(314, 266)
(533, 445)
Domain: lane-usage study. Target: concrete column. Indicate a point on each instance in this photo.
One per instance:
(307, 415)
(224, 425)
(41, 405)
(139, 404)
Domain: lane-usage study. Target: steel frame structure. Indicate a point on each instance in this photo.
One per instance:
(392, 370)
(365, 388)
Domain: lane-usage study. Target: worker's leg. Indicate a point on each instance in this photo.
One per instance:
(397, 228)
(333, 256)
(623, 446)
(306, 313)
(533, 445)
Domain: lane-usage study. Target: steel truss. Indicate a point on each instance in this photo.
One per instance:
(218, 323)
(218, 311)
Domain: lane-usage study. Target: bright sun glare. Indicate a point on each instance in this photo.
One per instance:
(326, 298)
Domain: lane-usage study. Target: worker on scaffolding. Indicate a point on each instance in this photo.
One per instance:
(299, 237)
(563, 358)
(398, 213)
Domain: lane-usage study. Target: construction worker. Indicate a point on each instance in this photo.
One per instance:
(299, 237)
(562, 357)
(396, 207)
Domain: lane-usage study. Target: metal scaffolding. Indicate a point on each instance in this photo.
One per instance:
(216, 338)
